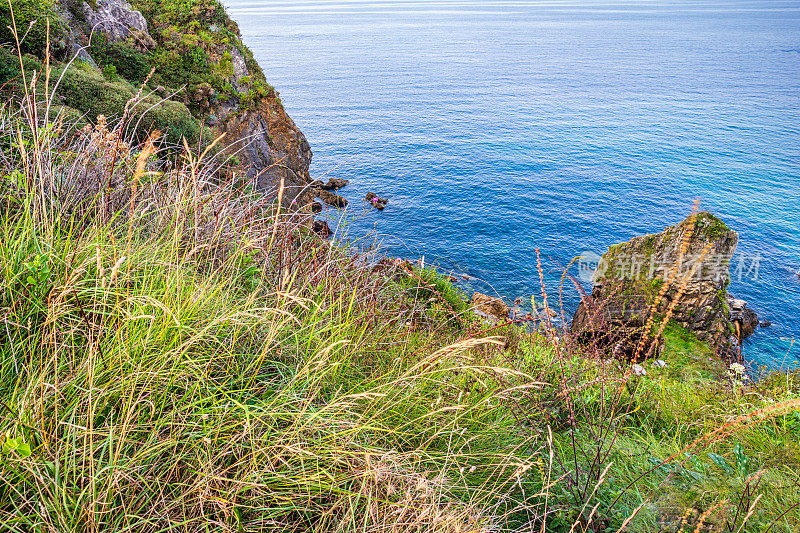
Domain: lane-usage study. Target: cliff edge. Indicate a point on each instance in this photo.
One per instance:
(200, 80)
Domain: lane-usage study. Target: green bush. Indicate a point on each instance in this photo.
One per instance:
(129, 62)
(37, 12)
(9, 65)
(94, 95)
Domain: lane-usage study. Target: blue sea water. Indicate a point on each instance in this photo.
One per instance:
(499, 127)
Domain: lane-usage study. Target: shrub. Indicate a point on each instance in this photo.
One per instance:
(94, 95)
(129, 62)
(37, 12)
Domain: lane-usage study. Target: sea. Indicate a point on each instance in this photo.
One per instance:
(502, 127)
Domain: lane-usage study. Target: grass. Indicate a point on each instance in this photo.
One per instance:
(177, 356)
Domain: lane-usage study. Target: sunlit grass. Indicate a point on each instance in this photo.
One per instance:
(176, 355)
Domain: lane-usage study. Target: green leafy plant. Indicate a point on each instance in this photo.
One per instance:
(13, 445)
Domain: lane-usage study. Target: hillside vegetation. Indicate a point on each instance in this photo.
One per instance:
(179, 355)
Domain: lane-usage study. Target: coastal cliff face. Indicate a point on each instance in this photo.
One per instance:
(274, 151)
(204, 81)
(631, 278)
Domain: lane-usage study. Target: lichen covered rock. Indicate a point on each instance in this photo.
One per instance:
(682, 272)
(116, 20)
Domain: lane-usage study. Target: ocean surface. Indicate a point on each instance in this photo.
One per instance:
(496, 128)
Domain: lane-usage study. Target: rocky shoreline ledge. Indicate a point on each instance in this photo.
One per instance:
(679, 275)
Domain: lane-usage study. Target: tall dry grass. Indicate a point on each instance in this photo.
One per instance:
(178, 354)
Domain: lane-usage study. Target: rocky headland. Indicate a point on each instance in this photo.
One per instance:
(198, 81)
(680, 274)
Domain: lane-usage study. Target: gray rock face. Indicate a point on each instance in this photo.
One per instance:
(117, 21)
(631, 275)
(239, 64)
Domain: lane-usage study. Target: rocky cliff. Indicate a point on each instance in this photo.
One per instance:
(199, 79)
(681, 271)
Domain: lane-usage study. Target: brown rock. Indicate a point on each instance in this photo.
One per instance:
(334, 184)
(742, 317)
(489, 305)
(321, 228)
(376, 201)
(316, 207)
(330, 198)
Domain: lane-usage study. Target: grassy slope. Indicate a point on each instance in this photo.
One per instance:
(147, 382)
(181, 359)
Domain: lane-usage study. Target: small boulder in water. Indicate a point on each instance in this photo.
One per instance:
(334, 184)
(376, 201)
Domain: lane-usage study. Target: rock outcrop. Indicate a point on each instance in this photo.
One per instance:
(321, 228)
(489, 305)
(272, 149)
(376, 201)
(682, 271)
(334, 184)
(214, 76)
(743, 319)
(333, 200)
(116, 20)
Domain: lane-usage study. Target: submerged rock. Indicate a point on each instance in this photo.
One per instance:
(693, 258)
(489, 305)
